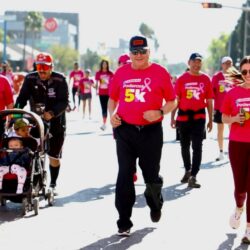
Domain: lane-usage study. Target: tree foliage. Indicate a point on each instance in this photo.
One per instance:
(148, 32)
(90, 60)
(64, 57)
(217, 49)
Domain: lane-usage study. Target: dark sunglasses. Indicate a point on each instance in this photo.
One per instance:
(244, 72)
(139, 51)
(43, 67)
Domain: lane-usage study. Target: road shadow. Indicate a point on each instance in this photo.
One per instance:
(82, 133)
(86, 195)
(214, 164)
(10, 212)
(116, 242)
(169, 193)
(229, 242)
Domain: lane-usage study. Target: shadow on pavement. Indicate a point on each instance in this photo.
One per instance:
(82, 133)
(169, 193)
(90, 194)
(10, 212)
(122, 243)
(214, 164)
(229, 242)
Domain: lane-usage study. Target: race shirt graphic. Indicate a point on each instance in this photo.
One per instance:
(104, 81)
(224, 86)
(243, 105)
(76, 75)
(135, 89)
(194, 90)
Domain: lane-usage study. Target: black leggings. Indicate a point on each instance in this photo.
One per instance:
(74, 91)
(192, 131)
(104, 104)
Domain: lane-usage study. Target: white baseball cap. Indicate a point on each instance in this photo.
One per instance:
(226, 59)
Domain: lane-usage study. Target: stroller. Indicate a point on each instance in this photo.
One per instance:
(34, 188)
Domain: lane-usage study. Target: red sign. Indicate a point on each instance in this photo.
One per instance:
(50, 24)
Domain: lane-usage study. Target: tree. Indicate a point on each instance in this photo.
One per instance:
(217, 49)
(33, 22)
(148, 32)
(64, 57)
(90, 60)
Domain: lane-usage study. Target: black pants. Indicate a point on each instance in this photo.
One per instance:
(146, 144)
(104, 104)
(192, 132)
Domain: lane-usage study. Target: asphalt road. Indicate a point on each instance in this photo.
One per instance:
(84, 215)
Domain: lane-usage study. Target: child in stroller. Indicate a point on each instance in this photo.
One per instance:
(17, 157)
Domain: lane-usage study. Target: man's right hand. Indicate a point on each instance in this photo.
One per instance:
(115, 120)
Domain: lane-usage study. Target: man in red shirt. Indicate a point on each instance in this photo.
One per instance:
(221, 86)
(137, 93)
(6, 99)
(75, 76)
(194, 94)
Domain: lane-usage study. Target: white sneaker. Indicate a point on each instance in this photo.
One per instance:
(246, 237)
(103, 127)
(221, 157)
(235, 218)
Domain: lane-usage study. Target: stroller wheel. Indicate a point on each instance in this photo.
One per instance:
(50, 196)
(24, 206)
(36, 205)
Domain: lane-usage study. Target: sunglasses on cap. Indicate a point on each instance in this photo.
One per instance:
(43, 67)
(244, 72)
(138, 51)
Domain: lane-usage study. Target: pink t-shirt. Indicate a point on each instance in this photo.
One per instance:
(76, 75)
(220, 87)
(85, 85)
(6, 96)
(193, 92)
(237, 98)
(104, 79)
(140, 90)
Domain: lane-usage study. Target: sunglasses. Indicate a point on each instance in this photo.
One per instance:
(139, 51)
(43, 67)
(244, 72)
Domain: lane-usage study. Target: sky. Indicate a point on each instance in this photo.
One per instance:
(181, 27)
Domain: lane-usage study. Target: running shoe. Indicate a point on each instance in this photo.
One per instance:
(235, 218)
(123, 232)
(246, 238)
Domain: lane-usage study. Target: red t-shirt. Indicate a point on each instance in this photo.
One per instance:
(6, 95)
(104, 79)
(220, 87)
(235, 99)
(85, 85)
(140, 90)
(76, 75)
(193, 92)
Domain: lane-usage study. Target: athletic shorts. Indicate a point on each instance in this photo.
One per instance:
(85, 96)
(217, 116)
(56, 145)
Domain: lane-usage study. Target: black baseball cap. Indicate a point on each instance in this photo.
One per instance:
(195, 56)
(138, 42)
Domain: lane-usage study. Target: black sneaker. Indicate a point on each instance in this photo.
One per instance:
(123, 232)
(155, 215)
(192, 183)
(186, 177)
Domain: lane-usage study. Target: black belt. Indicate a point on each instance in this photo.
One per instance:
(140, 127)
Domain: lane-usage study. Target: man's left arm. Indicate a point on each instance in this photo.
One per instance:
(210, 114)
